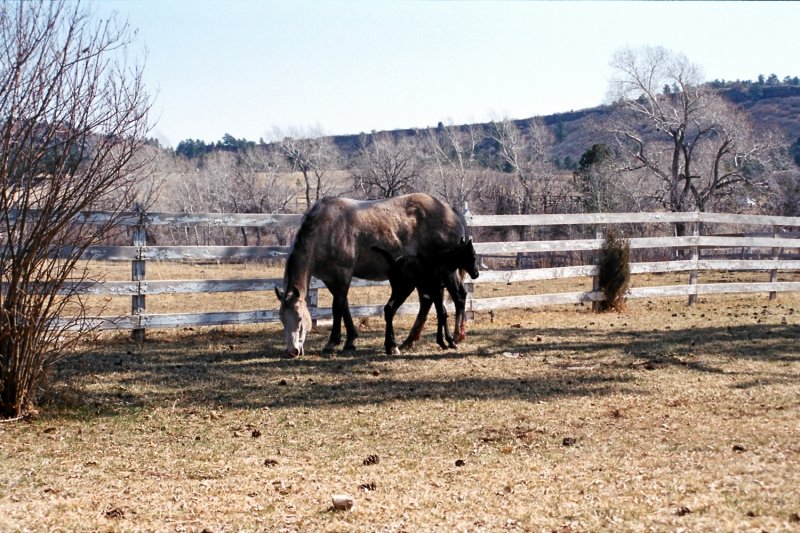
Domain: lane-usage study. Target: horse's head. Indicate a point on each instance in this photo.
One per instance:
(467, 258)
(295, 318)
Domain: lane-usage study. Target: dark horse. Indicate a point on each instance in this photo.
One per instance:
(334, 243)
(430, 275)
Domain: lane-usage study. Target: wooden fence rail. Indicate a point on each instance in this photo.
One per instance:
(773, 240)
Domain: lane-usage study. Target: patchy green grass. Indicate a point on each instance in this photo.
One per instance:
(662, 418)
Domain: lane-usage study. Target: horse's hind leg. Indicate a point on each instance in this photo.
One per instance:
(458, 294)
(425, 303)
(399, 295)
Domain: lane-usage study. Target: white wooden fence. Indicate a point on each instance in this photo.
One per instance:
(139, 253)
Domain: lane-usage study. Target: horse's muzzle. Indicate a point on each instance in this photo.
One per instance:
(294, 352)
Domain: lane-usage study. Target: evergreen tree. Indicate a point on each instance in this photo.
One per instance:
(592, 180)
(795, 151)
(192, 148)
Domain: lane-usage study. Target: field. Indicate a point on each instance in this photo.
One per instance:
(661, 418)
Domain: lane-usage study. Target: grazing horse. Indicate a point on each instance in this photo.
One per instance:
(334, 243)
(429, 275)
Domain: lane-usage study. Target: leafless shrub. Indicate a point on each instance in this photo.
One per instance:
(74, 116)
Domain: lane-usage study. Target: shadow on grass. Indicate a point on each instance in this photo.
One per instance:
(248, 371)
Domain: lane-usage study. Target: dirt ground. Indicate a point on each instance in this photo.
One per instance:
(661, 418)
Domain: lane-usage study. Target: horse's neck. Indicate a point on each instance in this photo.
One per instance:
(298, 270)
(448, 259)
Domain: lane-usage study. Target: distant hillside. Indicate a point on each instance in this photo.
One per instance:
(778, 107)
(770, 107)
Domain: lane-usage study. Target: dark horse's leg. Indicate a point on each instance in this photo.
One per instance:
(441, 322)
(341, 309)
(425, 303)
(455, 287)
(400, 292)
(350, 328)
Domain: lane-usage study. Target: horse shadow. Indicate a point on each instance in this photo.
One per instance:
(248, 371)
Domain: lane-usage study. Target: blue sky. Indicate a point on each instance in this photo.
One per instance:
(250, 68)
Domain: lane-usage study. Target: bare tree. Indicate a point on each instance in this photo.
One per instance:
(453, 153)
(525, 154)
(603, 188)
(385, 167)
(783, 197)
(264, 183)
(314, 158)
(74, 115)
(695, 145)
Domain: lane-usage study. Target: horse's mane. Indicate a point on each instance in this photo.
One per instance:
(309, 222)
(299, 250)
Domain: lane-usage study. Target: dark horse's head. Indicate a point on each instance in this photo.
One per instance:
(295, 318)
(464, 257)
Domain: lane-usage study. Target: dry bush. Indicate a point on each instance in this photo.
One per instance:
(74, 119)
(615, 271)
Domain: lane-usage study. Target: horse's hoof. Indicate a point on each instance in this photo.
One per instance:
(453, 346)
(348, 349)
(393, 350)
(407, 346)
(328, 350)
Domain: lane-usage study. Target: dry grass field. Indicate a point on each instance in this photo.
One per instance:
(661, 418)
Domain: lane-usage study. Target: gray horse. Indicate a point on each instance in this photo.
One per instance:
(335, 242)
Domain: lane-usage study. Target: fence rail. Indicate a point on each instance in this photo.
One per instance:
(139, 253)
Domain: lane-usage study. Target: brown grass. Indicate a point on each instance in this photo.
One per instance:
(662, 418)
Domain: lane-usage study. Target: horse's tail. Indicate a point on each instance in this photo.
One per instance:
(386, 255)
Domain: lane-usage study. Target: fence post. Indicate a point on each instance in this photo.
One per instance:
(776, 255)
(138, 305)
(598, 234)
(695, 260)
(469, 286)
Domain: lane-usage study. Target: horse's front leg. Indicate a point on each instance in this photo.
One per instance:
(350, 328)
(340, 310)
(425, 303)
(336, 331)
(442, 331)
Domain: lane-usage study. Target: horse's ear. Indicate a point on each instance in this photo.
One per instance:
(279, 293)
(294, 292)
(469, 240)
(461, 241)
